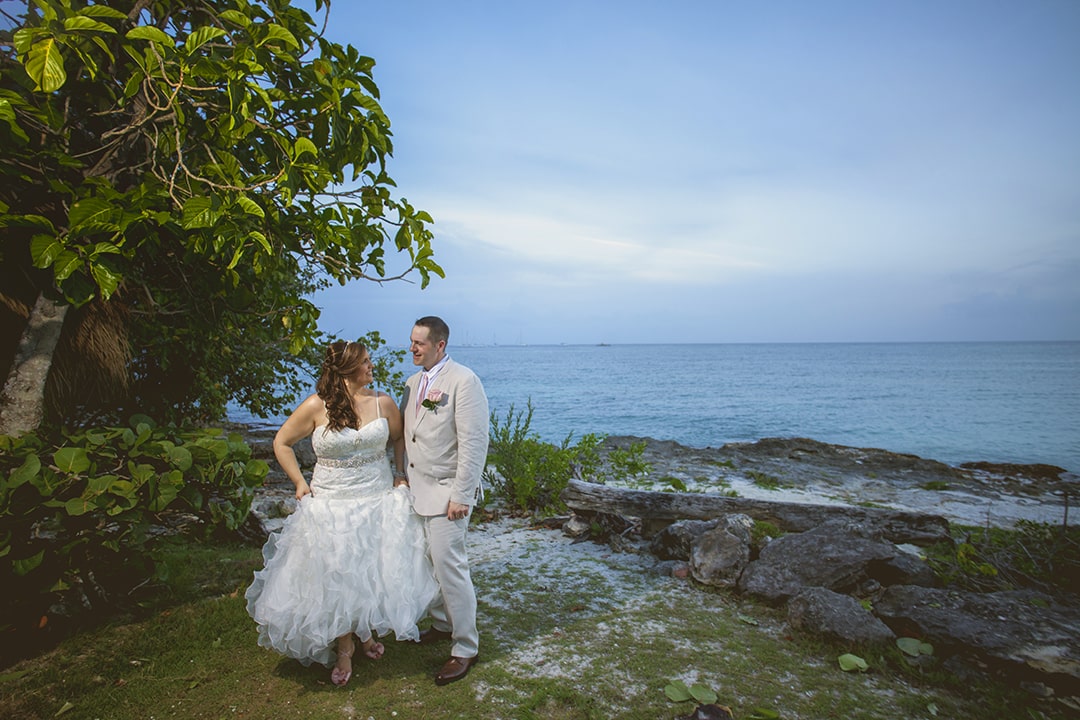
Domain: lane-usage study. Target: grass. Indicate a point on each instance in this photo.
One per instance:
(568, 631)
(764, 480)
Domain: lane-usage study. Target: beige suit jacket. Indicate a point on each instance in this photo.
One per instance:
(446, 448)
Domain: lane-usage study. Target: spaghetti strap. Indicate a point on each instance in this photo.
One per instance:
(378, 410)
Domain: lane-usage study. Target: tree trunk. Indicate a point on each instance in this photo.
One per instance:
(894, 525)
(22, 401)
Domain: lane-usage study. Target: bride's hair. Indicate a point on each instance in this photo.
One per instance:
(342, 361)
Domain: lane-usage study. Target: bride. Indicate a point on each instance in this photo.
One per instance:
(351, 559)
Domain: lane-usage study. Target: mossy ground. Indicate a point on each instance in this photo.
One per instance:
(568, 631)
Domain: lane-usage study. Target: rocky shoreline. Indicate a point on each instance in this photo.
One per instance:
(806, 470)
(802, 470)
(827, 575)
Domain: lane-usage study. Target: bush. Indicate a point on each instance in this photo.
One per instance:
(1032, 555)
(529, 474)
(81, 513)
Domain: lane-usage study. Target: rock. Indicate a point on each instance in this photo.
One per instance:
(676, 540)
(835, 616)
(576, 527)
(720, 554)
(836, 556)
(1030, 636)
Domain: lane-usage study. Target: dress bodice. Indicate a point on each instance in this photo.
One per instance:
(352, 462)
(350, 442)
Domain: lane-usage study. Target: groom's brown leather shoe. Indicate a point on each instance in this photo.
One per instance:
(454, 669)
(434, 635)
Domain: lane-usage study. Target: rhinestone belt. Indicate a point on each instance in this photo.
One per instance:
(351, 462)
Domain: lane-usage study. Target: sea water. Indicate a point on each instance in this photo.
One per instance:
(952, 402)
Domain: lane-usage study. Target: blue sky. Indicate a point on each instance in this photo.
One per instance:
(715, 171)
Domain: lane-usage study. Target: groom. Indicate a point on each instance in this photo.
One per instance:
(446, 440)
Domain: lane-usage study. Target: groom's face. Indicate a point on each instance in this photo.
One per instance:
(425, 353)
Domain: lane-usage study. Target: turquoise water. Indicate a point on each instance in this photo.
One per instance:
(953, 402)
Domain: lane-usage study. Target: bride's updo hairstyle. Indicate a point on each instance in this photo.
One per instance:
(342, 361)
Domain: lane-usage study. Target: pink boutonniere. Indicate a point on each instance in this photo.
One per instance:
(433, 400)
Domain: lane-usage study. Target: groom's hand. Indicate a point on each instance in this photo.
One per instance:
(456, 511)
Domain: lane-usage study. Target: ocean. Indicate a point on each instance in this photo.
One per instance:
(1013, 402)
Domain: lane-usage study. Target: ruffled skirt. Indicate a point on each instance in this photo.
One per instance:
(342, 565)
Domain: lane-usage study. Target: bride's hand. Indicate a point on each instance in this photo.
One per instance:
(301, 490)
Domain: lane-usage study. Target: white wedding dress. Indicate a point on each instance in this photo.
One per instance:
(351, 558)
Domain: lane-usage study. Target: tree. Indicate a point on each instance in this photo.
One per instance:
(185, 174)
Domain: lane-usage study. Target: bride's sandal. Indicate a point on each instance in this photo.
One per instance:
(372, 648)
(339, 675)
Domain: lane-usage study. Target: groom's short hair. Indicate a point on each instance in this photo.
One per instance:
(437, 328)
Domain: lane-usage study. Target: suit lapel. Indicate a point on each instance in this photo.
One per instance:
(419, 412)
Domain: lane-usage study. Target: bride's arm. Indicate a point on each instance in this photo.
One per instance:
(397, 437)
(299, 425)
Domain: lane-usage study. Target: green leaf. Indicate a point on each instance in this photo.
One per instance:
(746, 619)
(81, 22)
(102, 11)
(29, 469)
(24, 38)
(101, 483)
(91, 211)
(25, 565)
(77, 506)
(202, 36)
(106, 279)
(303, 145)
(198, 213)
(702, 694)
(677, 691)
(235, 17)
(66, 264)
(764, 714)
(250, 206)
(276, 33)
(67, 706)
(44, 249)
(72, 460)
(45, 65)
(180, 457)
(151, 33)
(914, 646)
(849, 662)
(261, 239)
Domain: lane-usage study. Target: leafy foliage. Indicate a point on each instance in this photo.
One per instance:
(1037, 555)
(82, 513)
(209, 166)
(529, 474)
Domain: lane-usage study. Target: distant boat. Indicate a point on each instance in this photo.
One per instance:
(603, 345)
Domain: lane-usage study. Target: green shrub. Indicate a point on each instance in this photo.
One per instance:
(529, 474)
(82, 512)
(1039, 555)
(625, 464)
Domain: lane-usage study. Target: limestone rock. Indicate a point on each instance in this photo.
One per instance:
(676, 540)
(1026, 633)
(720, 554)
(836, 556)
(836, 616)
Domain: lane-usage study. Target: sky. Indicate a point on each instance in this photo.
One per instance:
(715, 171)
